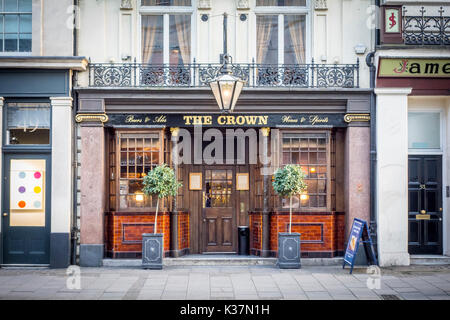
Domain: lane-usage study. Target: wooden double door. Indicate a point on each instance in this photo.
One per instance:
(425, 204)
(218, 214)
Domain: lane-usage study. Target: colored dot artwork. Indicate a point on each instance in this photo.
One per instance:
(27, 190)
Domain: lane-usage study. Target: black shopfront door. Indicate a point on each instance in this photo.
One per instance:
(26, 209)
(425, 204)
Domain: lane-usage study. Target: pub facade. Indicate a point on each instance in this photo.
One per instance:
(305, 101)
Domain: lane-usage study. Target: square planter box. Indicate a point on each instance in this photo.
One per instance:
(289, 250)
(152, 250)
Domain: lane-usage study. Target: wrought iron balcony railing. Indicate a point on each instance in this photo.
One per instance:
(198, 75)
(426, 30)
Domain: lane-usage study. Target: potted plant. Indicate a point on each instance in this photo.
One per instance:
(161, 182)
(289, 181)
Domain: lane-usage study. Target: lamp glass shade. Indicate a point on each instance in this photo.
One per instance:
(226, 89)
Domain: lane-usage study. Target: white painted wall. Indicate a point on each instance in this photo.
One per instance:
(392, 176)
(333, 32)
(52, 33)
(61, 202)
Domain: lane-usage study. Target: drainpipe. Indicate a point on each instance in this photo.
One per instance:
(373, 141)
(74, 227)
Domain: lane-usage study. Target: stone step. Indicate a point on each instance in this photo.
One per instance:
(221, 260)
(429, 260)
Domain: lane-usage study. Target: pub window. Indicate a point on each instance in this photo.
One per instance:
(15, 25)
(311, 153)
(27, 123)
(138, 153)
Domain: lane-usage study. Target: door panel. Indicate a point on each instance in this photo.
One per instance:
(26, 213)
(425, 201)
(218, 209)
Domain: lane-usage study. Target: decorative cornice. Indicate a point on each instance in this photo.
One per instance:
(91, 117)
(265, 131)
(242, 4)
(174, 131)
(357, 117)
(126, 5)
(44, 62)
(320, 5)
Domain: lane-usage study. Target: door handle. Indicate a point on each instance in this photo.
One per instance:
(204, 220)
(422, 212)
(5, 214)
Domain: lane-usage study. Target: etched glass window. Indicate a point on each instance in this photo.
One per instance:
(27, 123)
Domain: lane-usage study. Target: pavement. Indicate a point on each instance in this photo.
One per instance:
(226, 283)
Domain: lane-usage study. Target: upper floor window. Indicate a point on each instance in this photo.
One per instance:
(280, 3)
(281, 32)
(166, 38)
(15, 25)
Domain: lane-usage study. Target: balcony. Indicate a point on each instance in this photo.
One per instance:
(311, 75)
(426, 30)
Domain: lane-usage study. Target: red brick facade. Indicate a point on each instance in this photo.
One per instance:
(322, 233)
(123, 232)
(123, 236)
(183, 231)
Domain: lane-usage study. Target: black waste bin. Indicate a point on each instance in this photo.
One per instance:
(244, 243)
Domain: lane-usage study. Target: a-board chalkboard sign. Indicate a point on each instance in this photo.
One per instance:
(359, 233)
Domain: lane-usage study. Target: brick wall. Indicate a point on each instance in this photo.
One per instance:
(123, 232)
(322, 233)
(255, 225)
(183, 231)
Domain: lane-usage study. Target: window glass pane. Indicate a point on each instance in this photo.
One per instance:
(1, 42)
(294, 39)
(25, 42)
(309, 158)
(10, 5)
(152, 39)
(25, 6)
(166, 3)
(10, 42)
(267, 39)
(280, 3)
(28, 123)
(25, 23)
(1, 22)
(135, 159)
(180, 39)
(11, 23)
(424, 130)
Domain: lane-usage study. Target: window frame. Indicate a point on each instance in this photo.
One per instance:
(439, 150)
(117, 135)
(280, 12)
(16, 13)
(166, 12)
(17, 147)
(329, 206)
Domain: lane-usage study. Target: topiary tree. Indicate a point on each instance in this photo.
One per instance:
(160, 181)
(288, 181)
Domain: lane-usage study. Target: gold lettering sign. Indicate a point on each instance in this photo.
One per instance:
(317, 119)
(288, 119)
(414, 68)
(132, 119)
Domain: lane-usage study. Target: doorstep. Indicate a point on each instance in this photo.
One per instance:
(222, 260)
(429, 260)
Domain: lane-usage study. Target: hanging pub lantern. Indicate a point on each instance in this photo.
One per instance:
(226, 87)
